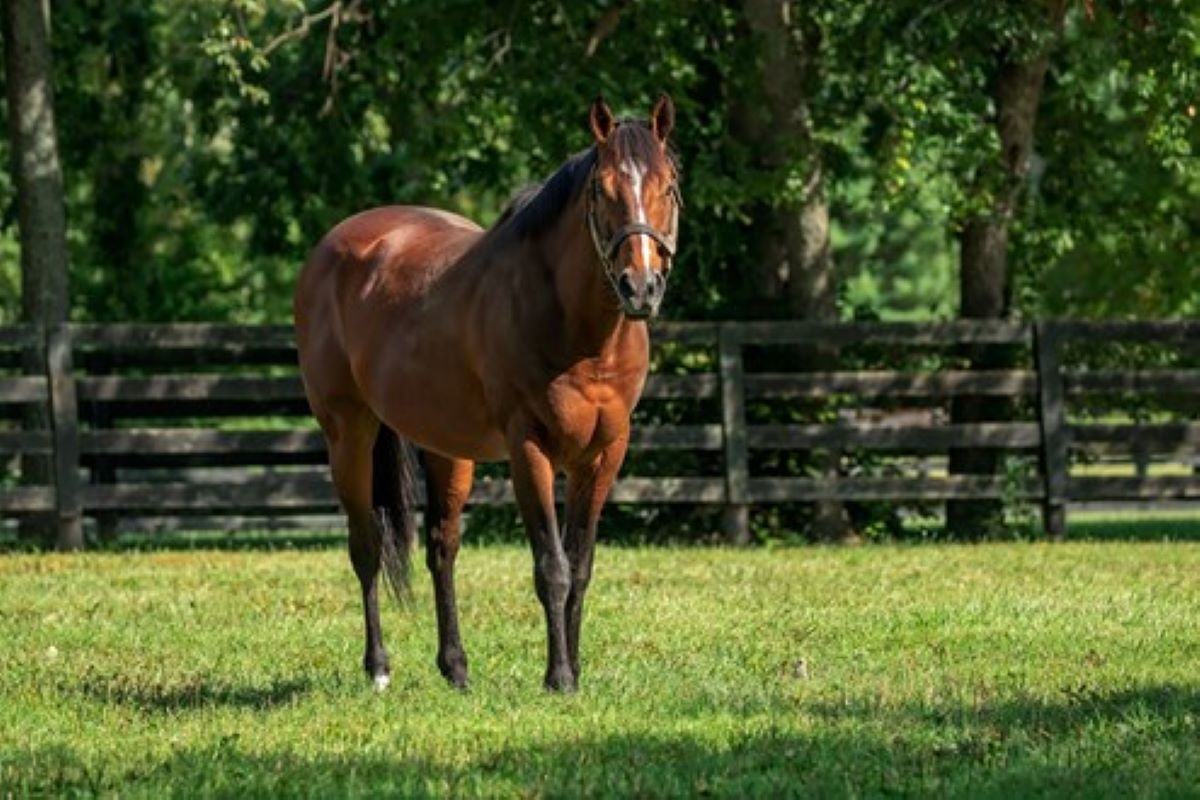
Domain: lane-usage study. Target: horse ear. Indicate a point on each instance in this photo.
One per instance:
(662, 117)
(601, 120)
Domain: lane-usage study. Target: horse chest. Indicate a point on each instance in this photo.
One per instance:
(584, 419)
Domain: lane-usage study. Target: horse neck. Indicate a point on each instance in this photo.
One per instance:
(592, 320)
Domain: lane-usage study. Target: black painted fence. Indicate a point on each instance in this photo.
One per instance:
(183, 422)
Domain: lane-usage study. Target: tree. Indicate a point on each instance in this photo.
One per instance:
(1119, 186)
(45, 297)
(985, 286)
(796, 259)
(840, 158)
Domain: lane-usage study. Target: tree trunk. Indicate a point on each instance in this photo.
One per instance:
(120, 193)
(985, 291)
(797, 263)
(41, 217)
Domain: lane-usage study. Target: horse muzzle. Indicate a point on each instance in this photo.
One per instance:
(640, 292)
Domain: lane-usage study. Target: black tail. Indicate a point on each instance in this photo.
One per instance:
(393, 490)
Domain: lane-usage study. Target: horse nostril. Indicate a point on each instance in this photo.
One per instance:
(625, 286)
(657, 284)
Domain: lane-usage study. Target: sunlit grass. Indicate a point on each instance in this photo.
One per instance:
(1009, 670)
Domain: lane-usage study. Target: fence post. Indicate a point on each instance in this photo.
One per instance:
(1047, 338)
(64, 422)
(736, 520)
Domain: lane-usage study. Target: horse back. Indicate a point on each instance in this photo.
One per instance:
(376, 261)
(385, 244)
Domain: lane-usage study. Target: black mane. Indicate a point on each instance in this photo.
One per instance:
(537, 207)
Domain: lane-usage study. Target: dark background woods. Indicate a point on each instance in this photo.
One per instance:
(853, 160)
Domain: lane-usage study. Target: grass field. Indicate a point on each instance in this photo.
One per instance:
(993, 670)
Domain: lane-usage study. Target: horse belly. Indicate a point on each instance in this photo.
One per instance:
(438, 409)
(467, 442)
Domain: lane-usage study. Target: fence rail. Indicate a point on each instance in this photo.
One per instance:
(198, 419)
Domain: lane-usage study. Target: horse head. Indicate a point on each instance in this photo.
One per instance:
(633, 204)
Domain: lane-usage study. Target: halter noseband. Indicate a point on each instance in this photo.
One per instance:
(607, 253)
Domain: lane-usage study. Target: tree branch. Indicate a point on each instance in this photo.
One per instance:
(338, 13)
(605, 25)
(302, 30)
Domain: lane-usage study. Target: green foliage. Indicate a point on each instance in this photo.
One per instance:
(999, 670)
(208, 145)
(1113, 226)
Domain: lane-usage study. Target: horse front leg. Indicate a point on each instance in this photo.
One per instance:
(587, 491)
(533, 483)
(447, 487)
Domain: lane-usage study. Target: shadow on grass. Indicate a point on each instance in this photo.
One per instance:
(183, 541)
(1145, 528)
(193, 695)
(1132, 742)
(1081, 705)
(625, 527)
(264, 541)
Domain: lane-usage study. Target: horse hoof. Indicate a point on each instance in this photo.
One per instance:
(457, 677)
(561, 681)
(454, 670)
(381, 682)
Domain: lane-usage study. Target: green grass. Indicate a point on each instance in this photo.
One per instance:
(996, 670)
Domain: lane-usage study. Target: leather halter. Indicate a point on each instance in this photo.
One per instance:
(607, 253)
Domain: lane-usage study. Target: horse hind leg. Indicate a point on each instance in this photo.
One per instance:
(351, 436)
(448, 484)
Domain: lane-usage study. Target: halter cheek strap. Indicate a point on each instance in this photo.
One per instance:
(608, 252)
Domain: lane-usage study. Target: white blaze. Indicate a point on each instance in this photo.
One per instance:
(636, 171)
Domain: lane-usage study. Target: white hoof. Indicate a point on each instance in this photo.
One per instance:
(381, 682)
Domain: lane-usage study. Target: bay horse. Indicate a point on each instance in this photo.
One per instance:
(525, 342)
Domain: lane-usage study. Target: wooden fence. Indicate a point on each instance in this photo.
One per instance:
(180, 422)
